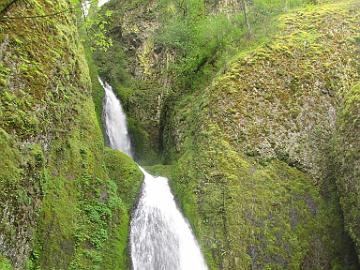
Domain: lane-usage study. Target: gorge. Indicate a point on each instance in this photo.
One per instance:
(235, 145)
(160, 238)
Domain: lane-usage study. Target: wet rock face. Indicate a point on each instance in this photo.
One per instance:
(282, 100)
(133, 27)
(348, 156)
(271, 121)
(35, 72)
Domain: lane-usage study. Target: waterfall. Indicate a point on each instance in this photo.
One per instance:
(160, 237)
(102, 2)
(115, 121)
(86, 4)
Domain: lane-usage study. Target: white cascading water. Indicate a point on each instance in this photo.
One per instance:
(86, 4)
(160, 237)
(102, 2)
(115, 121)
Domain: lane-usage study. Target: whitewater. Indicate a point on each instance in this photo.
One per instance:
(160, 236)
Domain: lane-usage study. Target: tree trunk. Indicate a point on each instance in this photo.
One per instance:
(245, 12)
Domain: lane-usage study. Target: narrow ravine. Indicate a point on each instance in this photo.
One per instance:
(160, 237)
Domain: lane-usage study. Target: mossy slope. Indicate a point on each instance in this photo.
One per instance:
(63, 203)
(254, 152)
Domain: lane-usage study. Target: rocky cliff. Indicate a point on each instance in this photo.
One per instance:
(258, 157)
(256, 120)
(254, 156)
(64, 201)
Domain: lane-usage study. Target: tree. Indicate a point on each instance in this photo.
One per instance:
(244, 9)
(95, 24)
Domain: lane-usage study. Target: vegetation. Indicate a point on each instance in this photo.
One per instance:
(166, 48)
(4, 264)
(56, 187)
(253, 107)
(204, 40)
(257, 185)
(348, 162)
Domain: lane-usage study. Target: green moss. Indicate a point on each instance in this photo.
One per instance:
(142, 143)
(84, 215)
(127, 177)
(145, 56)
(347, 145)
(10, 160)
(5, 264)
(116, 254)
(97, 90)
(125, 173)
(57, 225)
(253, 199)
(257, 187)
(4, 4)
(56, 188)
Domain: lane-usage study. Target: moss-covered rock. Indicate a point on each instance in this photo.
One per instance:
(125, 173)
(258, 161)
(348, 156)
(5, 264)
(254, 152)
(61, 207)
